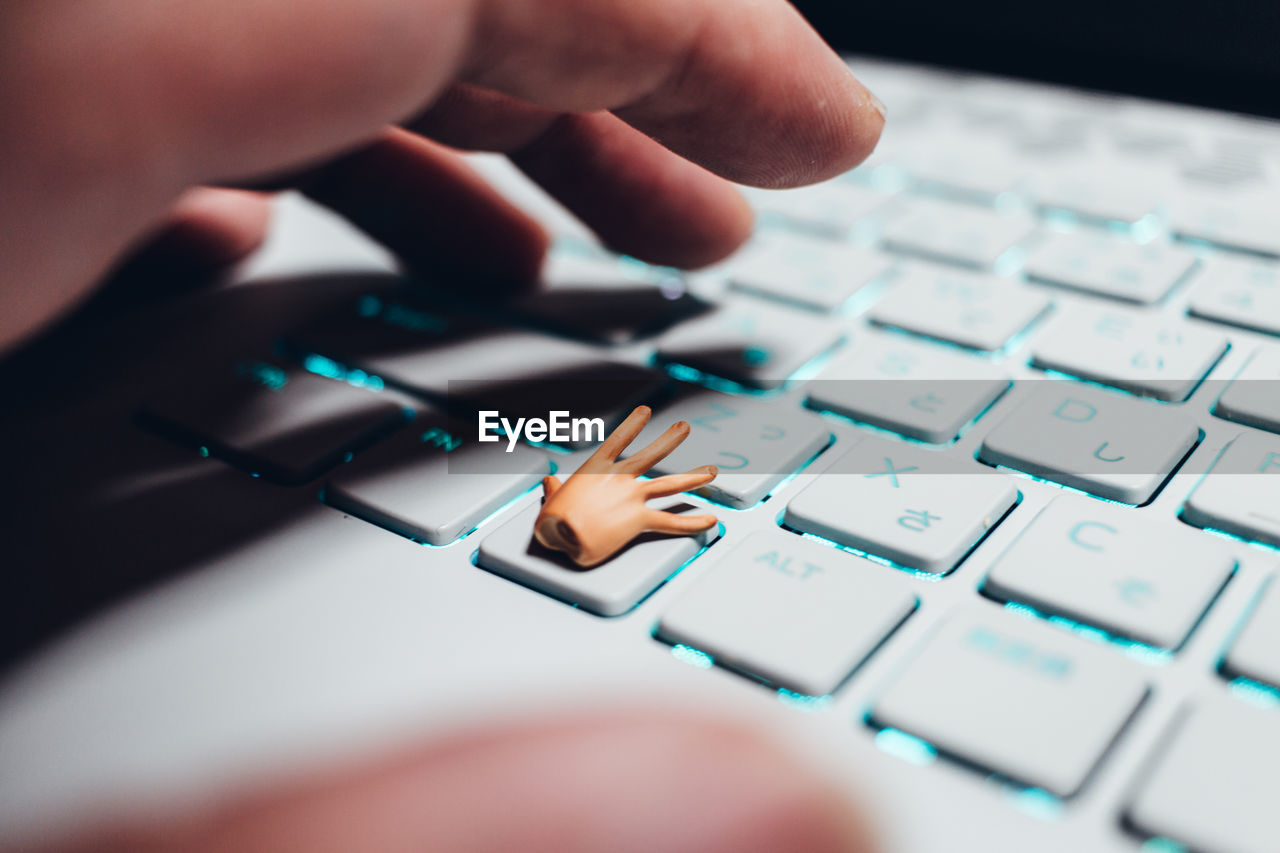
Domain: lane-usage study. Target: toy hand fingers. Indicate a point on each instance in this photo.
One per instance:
(673, 484)
(656, 451)
(550, 485)
(669, 522)
(618, 440)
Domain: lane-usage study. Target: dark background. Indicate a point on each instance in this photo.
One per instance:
(1222, 53)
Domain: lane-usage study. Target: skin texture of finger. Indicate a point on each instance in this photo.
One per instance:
(478, 119)
(440, 217)
(640, 198)
(745, 88)
(674, 484)
(92, 149)
(205, 232)
(657, 450)
(626, 785)
(213, 227)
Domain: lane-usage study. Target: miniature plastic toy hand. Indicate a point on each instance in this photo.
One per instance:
(601, 507)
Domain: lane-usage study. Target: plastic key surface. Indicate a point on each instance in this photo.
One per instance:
(1253, 397)
(1242, 219)
(1255, 654)
(1106, 444)
(285, 424)
(829, 209)
(601, 298)
(1213, 786)
(471, 364)
(1112, 568)
(790, 611)
(980, 312)
(955, 233)
(917, 508)
(1241, 292)
(755, 444)
(1241, 493)
(1098, 190)
(806, 271)
(609, 589)
(1099, 263)
(1016, 696)
(435, 481)
(917, 390)
(1140, 353)
(976, 169)
(756, 345)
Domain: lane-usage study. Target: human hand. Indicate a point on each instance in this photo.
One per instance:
(635, 113)
(110, 113)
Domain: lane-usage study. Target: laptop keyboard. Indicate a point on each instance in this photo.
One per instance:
(1064, 326)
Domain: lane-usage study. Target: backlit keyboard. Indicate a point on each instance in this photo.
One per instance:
(997, 418)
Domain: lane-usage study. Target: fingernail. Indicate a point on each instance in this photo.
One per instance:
(878, 105)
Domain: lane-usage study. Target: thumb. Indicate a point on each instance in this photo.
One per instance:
(624, 785)
(550, 485)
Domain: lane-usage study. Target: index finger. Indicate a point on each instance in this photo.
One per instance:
(746, 89)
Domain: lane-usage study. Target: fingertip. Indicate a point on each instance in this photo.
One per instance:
(863, 125)
(714, 238)
(425, 202)
(214, 227)
(639, 197)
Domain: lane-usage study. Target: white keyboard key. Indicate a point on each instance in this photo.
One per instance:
(1086, 190)
(917, 390)
(755, 443)
(756, 345)
(978, 169)
(968, 309)
(1141, 353)
(1105, 444)
(1241, 493)
(1255, 654)
(609, 589)
(1253, 397)
(1016, 696)
(831, 209)
(472, 363)
(1214, 785)
(955, 233)
(1243, 219)
(806, 271)
(1242, 292)
(605, 299)
(1112, 568)
(917, 508)
(287, 425)
(790, 611)
(1099, 263)
(434, 481)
